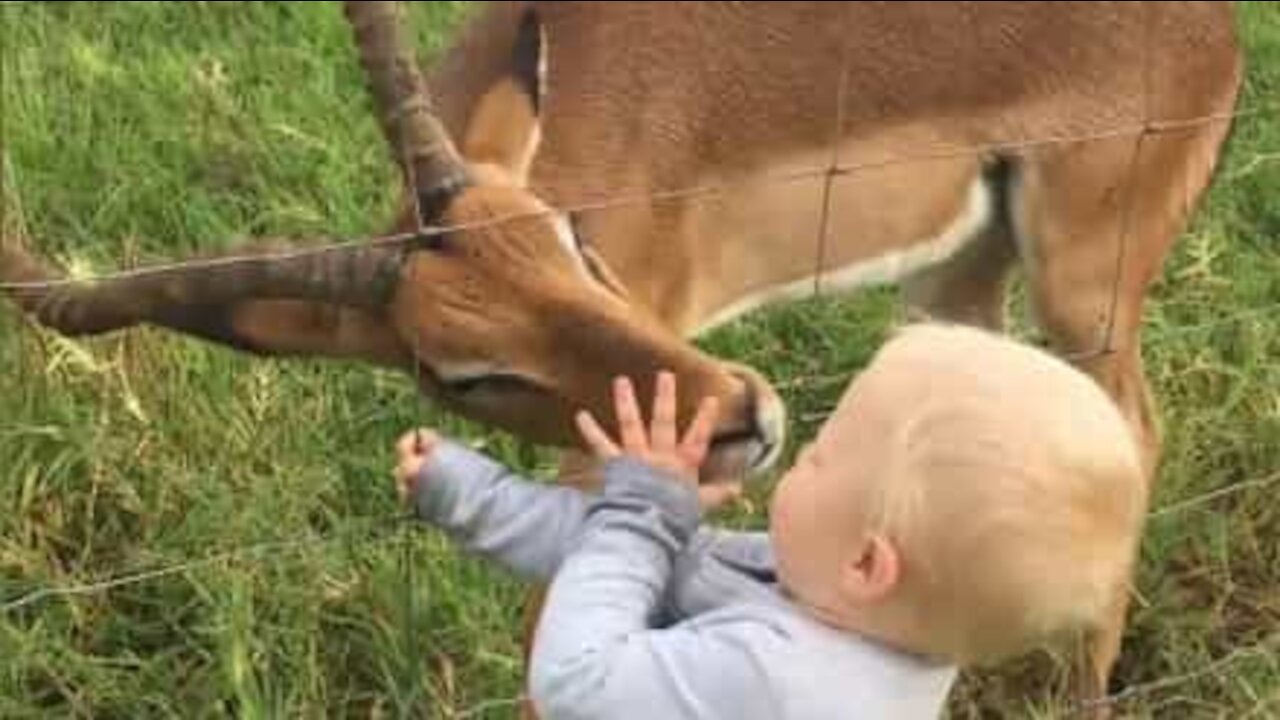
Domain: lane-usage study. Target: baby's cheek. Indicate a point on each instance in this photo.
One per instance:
(783, 505)
(792, 521)
(781, 524)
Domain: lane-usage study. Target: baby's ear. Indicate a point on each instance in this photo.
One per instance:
(872, 572)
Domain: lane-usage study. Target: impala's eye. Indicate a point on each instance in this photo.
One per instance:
(464, 379)
(496, 383)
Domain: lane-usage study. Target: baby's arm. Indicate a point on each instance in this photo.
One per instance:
(595, 654)
(495, 513)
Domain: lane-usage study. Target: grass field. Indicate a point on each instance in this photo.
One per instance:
(137, 131)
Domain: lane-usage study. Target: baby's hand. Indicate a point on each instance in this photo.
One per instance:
(660, 446)
(412, 451)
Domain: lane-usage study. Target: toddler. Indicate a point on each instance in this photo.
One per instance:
(969, 499)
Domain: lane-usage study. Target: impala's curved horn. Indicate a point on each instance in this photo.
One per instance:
(432, 166)
(359, 277)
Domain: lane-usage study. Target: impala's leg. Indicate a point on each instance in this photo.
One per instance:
(969, 288)
(1088, 300)
(1094, 226)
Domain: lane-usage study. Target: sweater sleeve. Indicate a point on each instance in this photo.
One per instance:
(494, 513)
(596, 653)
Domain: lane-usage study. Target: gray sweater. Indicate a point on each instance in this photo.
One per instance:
(652, 616)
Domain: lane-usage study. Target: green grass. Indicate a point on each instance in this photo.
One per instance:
(136, 131)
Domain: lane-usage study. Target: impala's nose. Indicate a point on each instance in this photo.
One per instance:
(750, 437)
(769, 417)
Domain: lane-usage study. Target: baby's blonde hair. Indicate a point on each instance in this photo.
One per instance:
(1012, 488)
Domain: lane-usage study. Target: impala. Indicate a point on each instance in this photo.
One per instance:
(551, 165)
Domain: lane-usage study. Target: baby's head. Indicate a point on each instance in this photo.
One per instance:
(970, 498)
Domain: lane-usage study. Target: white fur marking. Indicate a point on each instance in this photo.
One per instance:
(888, 268)
(542, 62)
(464, 370)
(525, 161)
(564, 233)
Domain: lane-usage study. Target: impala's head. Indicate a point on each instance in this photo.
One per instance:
(511, 318)
(517, 325)
(504, 315)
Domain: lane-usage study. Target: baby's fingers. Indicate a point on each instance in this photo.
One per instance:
(406, 474)
(698, 437)
(415, 442)
(595, 437)
(405, 445)
(662, 432)
(630, 424)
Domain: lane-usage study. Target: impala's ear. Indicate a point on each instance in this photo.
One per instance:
(505, 126)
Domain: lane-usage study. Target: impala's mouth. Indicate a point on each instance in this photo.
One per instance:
(735, 436)
(748, 451)
(737, 457)
(752, 442)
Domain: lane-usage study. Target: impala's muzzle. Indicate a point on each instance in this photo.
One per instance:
(751, 440)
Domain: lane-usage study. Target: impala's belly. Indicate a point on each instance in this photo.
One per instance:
(781, 241)
(853, 268)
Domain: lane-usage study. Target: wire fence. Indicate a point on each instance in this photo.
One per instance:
(376, 530)
(766, 178)
(1265, 649)
(384, 528)
(381, 530)
(423, 233)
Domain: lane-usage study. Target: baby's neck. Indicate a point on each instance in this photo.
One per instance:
(883, 627)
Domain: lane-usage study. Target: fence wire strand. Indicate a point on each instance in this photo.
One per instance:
(387, 526)
(384, 526)
(386, 529)
(404, 239)
(1264, 648)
